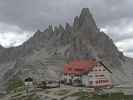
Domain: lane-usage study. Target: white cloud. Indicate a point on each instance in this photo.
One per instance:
(122, 34)
(12, 39)
(11, 35)
(129, 54)
(121, 31)
(126, 46)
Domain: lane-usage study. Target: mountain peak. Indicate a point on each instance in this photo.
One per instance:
(86, 22)
(85, 12)
(68, 28)
(51, 49)
(50, 29)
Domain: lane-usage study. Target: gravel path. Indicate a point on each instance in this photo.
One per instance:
(52, 95)
(6, 98)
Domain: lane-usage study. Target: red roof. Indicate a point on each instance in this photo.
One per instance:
(78, 67)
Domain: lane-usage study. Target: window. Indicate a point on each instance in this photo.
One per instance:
(91, 82)
(106, 81)
(99, 75)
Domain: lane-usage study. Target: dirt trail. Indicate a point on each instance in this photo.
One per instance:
(7, 97)
(52, 92)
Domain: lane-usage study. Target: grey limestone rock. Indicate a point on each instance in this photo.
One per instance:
(46, 52)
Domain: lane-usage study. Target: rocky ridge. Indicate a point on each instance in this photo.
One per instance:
(43, 55)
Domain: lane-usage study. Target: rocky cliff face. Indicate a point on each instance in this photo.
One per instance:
(43, 55)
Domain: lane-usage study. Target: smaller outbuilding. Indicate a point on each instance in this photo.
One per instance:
(28, 81)
(29, 84)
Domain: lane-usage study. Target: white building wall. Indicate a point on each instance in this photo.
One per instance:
(85, 80)
(67, 78)
(92, 77)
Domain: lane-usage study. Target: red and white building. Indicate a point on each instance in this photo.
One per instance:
(89, 73)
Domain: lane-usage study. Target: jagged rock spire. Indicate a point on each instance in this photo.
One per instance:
(50, 29)
(85, 22)
(58, 30)
(76, 23)
(61, 29)
(68, 28)
(38, 31)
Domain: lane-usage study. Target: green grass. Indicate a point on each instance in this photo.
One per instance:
(32, 97)
(15, 86)
(82, 95)
(29, 97)
(113, 96)
(128, 97)
(47, 91)
(17, 94)
(17, 91)
(62, 92)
